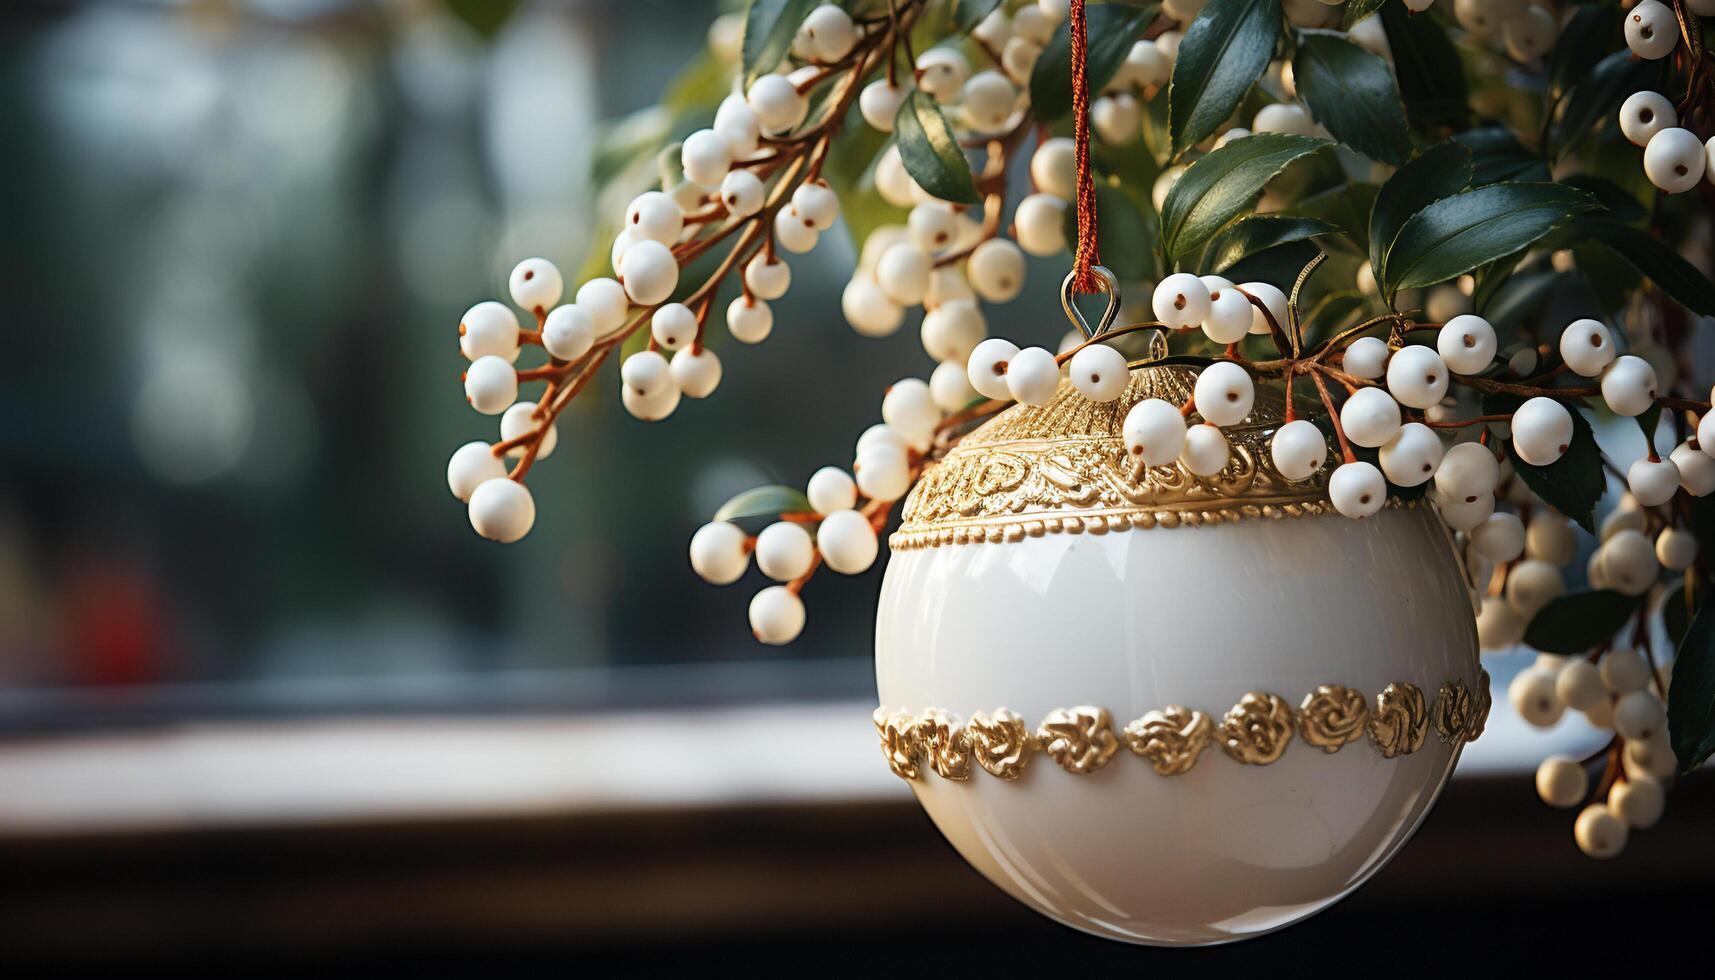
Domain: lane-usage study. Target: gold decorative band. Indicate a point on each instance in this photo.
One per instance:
(1063, 467)
(1255, 731)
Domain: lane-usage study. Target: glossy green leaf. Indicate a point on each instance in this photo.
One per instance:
(1442, 170)
(1596, 96)
(1217, 188)
(931, 152)
(1571, 484)
(1224, 52)
(1652, 257)
(1456, 234)
(1346, 206)
(1576, 622)
(1497, 155)
(1587, 38)
(1352, 92)
(1431, 79)
(1617, 203)
(1280, 264)
(769, 501)
(768, 29)
(1113, 29)
(1691, 694)
(1251, 235)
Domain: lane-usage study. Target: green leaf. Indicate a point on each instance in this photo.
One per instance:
(931, 152)
(1431, 79)
(1597, 95)
(769, 501)
(1127, 234)
(1218, 187)
(969, 13)
(1456, 234)
(1578, 621)
(1651, 257)
(1352, 92)
(1691, 694)
(1357, 10)
(1278, 264)
(1571, 484)
(1617, 202)
(1440, 171)
(1588, 37)
(1253, 234)
(1222, 55)
(1346, 206)
(1522, 295)
(1497, 155)
(1113, 29)
(1675, 618)
(768, 29)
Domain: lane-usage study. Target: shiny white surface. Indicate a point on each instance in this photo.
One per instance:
(1193, 616)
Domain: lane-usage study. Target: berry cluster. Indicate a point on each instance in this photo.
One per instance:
(1425, 398)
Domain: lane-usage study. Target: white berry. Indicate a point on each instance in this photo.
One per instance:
(490, 384)
(882, 473)
(941, 72)
(830, 489)
(536, 285)
(1357, 489)
(1298, 449)
(1532, 696)
(1206, 450)
(847, 542)
(1275, 301)
(776, 102)
(1638, 801)
(1532, 584)
(1628, 562)
(749, 320)
(1230, 314)
(1598, 832)
(649, 272)
(472, 465)
(1411, 457)
(1696, 469)
(1653, 482)
(1366, 358)
(1500, 538)
(604, 301)
(1651, 30)
(568, 333)
(1032, 377)
(1542, 431)
(1467, 344)
(879, 103)
(869, 309)
(1100, 373)
(952, 330)
(1629, 385)
(719, 553)
(987, 368)
(673, 326)
(903, 273)
(950, 388)
(1639, 716)
(996, 270)
(910, 410)
(743, 193)
(1579, 685)
(1040, 224)
(489, 328)
(1224, 393)
(796, 233)
(830, 33)
(1181, 301)
(817, 203)
(1561, 781)
(1154, 432)
(1054, 167)
(1417, 377)
(1370, 417)
(784, 551)
(520, 420)
(1498, 626)
(502, 510)
(776, 614)
(1675, 160)
(696, 373)
(1645, 114)
(657, 217)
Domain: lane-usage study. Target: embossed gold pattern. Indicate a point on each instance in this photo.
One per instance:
(1080, 739)
(1170, 739)
(1400, 721)
(1481, 702)
(1000, 742)
(1452, 712)
(901, 741)
(1331, 716)
(1257, 729)
(944, 739)
(1062, 467)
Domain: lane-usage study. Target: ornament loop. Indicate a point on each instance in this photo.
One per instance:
(1110, 285)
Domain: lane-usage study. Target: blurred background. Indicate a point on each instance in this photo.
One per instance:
(265, 699)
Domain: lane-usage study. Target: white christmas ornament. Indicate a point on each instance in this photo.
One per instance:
(1120, 746)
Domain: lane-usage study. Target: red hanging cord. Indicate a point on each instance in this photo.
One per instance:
(1087, 255)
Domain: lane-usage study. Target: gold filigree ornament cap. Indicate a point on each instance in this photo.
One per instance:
(1062, 468)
